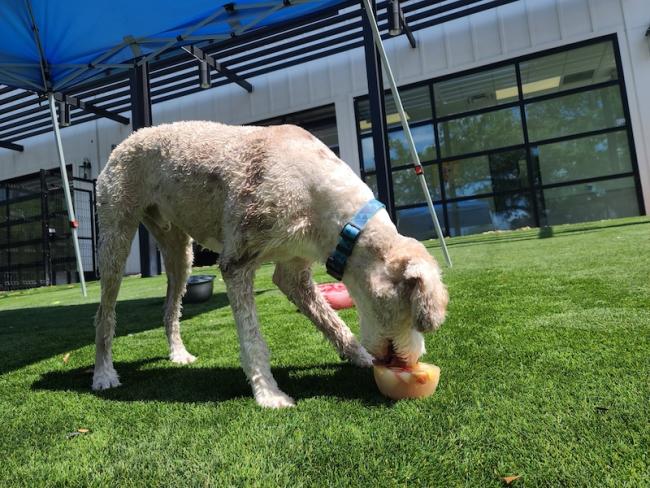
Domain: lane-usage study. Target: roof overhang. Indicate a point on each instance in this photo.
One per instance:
(234, 58)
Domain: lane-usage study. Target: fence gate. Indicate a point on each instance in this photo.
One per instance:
(35, 240)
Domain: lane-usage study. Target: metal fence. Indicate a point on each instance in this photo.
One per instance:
(35, 240)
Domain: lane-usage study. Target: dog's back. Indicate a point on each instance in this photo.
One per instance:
(204, 176)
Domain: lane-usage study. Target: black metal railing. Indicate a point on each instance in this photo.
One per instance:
(35, 240)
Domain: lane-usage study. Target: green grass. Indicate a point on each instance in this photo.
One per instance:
(545, 363)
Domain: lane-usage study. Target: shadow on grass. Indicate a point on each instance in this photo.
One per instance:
(545, 232)
(32, 334)
(183, 384)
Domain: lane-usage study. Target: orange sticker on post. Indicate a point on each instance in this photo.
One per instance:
(418, 170)
(74, 224)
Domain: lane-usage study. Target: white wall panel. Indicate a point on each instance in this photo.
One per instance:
(404, 58)
(40, 152)
(299, 86)
(433, 51)
(320, 88)
(605, 14)
(459, 42)
(357, 71)
(513, 27)
(486, 35)
(280, 93)
(635, 54)
(543, 22)
(575, 17)
(347, 129)
(636, 13)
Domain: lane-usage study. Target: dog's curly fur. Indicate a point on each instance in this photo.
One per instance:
(258, 194)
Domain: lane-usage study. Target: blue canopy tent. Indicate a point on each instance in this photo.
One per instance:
(49, 48)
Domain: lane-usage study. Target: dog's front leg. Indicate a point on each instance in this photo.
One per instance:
(295, 280)
(253, 350)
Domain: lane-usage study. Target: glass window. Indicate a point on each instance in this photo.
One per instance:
(371, 181)
(501, 212)
(417, 222)
(480, 132)
(399, 151)
(569, 69)
(367, 154)
(504, 171)
(573, 95)
(424, 144)
(26, 208)
(320, 121)
(588, 157)
(328, 133)
(609, 199)
(479, 90)
(19, 233)
(407, 188)
(572, 114)
(416, 102)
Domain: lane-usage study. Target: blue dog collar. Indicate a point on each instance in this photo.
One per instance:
(349, 235)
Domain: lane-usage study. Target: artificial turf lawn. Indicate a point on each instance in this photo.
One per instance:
(545, 363)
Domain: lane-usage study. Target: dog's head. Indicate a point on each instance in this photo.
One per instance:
(401, 296)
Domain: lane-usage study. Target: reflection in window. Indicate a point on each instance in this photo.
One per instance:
(509, 170)
(367, 154)
(610, 199)
(371, 181)
(501, 212)
(572, 114)
(321, 122)
(407, 188)
(588, 157)
(506, 171)
(568, 69)
(400, 153)
(480, 132)
(417, 222)
(492, 189)
(328, 133)
(478, 90)
(416, 102)
(467, 177)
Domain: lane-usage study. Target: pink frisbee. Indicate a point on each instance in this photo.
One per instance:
(336, 295)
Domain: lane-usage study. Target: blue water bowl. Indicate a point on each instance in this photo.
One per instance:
(199, 288)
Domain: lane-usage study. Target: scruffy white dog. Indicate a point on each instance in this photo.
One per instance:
(259, 194)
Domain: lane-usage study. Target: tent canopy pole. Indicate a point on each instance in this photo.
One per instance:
(66, 190)
(407, 131)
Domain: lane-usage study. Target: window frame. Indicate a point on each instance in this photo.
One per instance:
(535, 189)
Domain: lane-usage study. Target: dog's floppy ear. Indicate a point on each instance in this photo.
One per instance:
(428, 295)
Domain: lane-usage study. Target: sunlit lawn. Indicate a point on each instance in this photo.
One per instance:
(545, 364)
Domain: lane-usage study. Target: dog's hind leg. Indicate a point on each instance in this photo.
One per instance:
(114, 246)
(294, 278)
(176, 248)
(253, 350)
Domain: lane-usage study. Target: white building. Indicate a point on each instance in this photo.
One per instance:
(533, 113)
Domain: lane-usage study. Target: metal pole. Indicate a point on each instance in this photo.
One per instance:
(45, 224)
(141, 117)
(66, 190)
(407, 131)
(377, 106)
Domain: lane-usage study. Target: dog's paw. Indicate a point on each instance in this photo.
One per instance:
(274, 399)
(360, 357)
(103, 380)
(182, 357)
